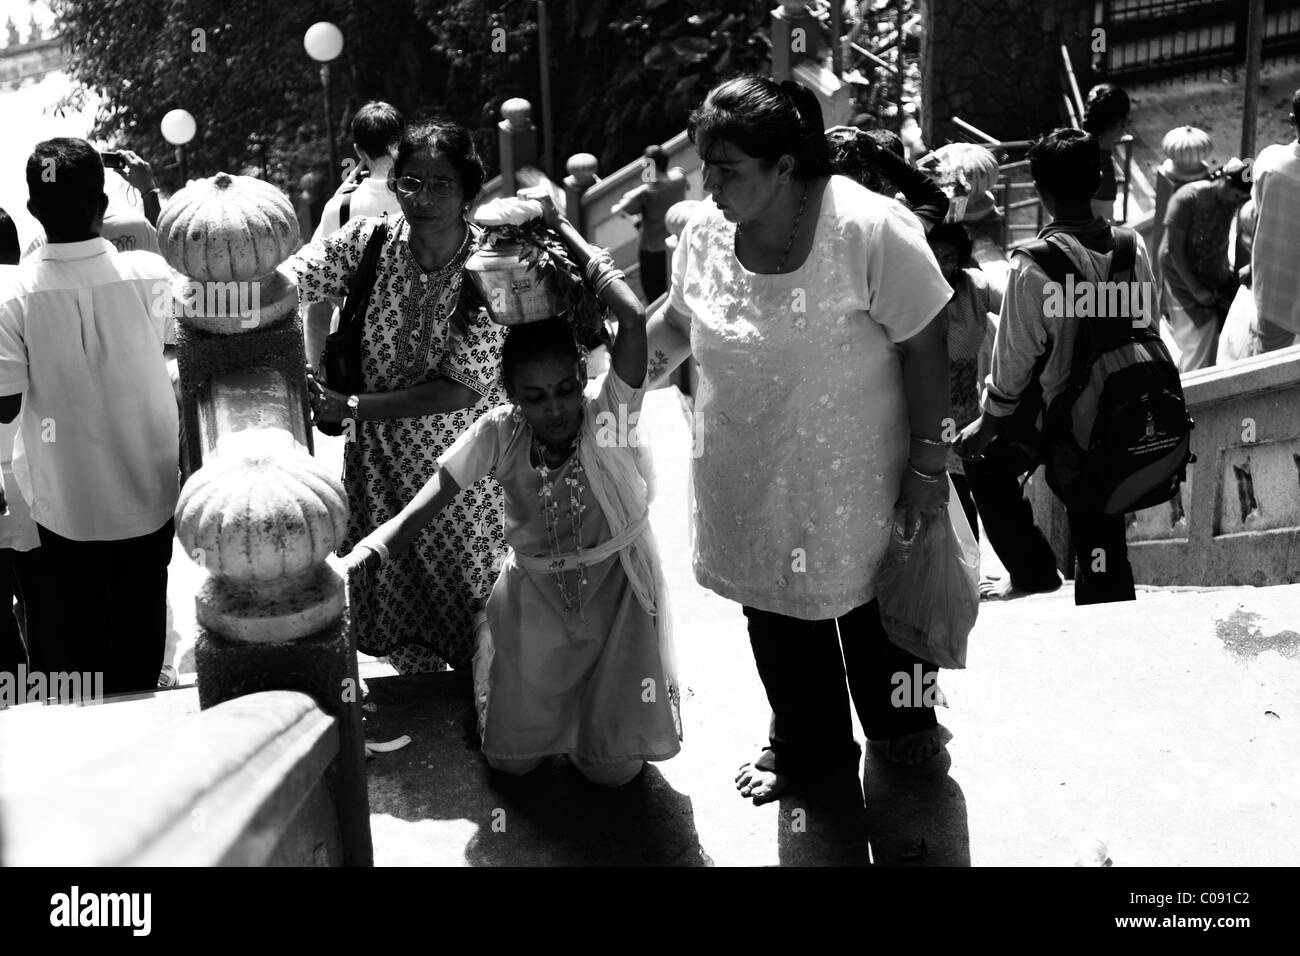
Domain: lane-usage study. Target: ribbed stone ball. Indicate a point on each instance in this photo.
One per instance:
(261, 515)
(1187, 146)
(228, 228)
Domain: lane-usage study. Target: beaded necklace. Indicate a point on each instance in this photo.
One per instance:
(794, 231)
(550, 514)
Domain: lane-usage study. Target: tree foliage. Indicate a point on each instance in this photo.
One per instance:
(240, 67)
(623, 73)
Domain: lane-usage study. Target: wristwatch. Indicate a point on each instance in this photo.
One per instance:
(354, 404)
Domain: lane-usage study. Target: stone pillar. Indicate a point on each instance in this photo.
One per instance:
(257, 511)
(582, 176)
(997, 63)
(517, 137)
(796, 36)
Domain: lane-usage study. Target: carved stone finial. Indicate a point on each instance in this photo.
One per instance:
(517, 112)
(582, 167)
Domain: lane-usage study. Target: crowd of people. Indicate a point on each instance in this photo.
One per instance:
(493, 532)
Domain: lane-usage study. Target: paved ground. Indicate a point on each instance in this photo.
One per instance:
(1214, 105)
(1167, 729)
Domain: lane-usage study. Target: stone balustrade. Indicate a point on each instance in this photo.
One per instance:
(257, 511)
(1236, 520)
(155, 782)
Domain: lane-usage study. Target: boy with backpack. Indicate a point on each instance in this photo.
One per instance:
(1081, 381)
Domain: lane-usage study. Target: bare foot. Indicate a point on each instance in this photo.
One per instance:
(763, 786)
(1001, 589)
(912, 749)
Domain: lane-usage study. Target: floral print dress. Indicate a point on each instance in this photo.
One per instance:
(418, 608)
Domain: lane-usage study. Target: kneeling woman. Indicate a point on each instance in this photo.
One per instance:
(581, 655)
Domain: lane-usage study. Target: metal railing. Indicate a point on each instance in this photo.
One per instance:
(1158, 39)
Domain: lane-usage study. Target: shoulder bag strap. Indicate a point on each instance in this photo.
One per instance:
(354, 308)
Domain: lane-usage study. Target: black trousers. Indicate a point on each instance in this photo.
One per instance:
(804, 666)
(106, 609)
(21, 582)
(1009, 523)
(1102, 572)
(654, 273)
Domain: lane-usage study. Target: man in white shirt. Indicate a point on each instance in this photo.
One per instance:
(376, 130)
(1274, 278)
(81, 352)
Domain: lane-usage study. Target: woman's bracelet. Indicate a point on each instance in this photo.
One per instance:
(929, 442)
(606, 278)
(599, 258)
(377, 546)
(928, 478)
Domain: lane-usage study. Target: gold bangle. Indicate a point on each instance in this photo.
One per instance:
(929, 441)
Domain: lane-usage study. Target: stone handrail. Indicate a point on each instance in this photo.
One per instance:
(1236, 520)
(245, 783)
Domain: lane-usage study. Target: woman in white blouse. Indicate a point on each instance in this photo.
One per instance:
(808, 302)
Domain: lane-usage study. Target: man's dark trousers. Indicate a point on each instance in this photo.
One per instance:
(107, 606)
(1102, 571)
(654, 273)
(1008, 517)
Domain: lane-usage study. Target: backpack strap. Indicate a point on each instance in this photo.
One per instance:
(345, 210)
(1124, 260)
(1050, 258)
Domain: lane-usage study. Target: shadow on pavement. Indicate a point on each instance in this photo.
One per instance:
(916, 815)
(550, 817)
(824, 825)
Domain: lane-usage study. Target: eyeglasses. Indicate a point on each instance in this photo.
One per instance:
(442, 188)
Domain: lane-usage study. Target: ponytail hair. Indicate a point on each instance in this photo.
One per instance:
(767, 120)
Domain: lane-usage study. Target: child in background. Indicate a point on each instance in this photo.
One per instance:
(580, 662)
(971, 330)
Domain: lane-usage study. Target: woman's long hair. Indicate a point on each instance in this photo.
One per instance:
(767, 120)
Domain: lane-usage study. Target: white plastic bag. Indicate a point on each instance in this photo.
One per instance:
(1240, 336)
(928, 586)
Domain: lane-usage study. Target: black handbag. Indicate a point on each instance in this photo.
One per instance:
(340, 362)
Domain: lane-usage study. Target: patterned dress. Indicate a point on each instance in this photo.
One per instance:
(418, 608)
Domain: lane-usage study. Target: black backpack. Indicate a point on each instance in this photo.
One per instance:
(1118, 439)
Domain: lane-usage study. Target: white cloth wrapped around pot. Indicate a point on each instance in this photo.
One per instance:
(507, 211)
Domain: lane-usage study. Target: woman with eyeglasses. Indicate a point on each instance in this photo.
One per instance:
(430, 367)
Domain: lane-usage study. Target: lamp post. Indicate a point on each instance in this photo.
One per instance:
(544, 58)
(178, 128)
(324, 42)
